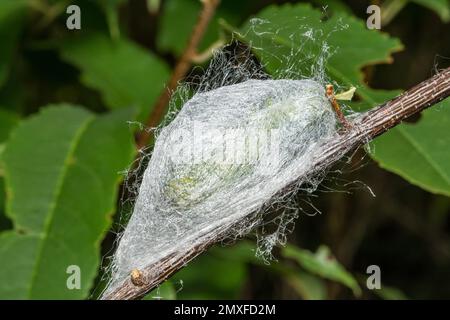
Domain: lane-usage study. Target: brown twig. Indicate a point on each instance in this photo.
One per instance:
(364, 128)
(181, 69)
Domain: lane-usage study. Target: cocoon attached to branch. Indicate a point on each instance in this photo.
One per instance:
(223, 158)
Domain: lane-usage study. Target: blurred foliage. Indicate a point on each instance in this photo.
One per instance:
(323, 264)
(121, 84)
(174, 32)
(60, 201)
(66, 97)
(8, 120)
(310, 41)
(420, 152)
(11, 23)
(441, 7)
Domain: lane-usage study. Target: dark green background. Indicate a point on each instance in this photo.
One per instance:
(60, 189)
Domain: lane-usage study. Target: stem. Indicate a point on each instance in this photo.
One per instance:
(181, 69)
(390, 9)
(364, 128)
(204, 56)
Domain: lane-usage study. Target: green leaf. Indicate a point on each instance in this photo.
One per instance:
(322, 263)
(111, 11)
(12, 14)
(8, 120)
(175, 32)
(61, 174)
(419, 152)
(124, 73)
(307, 286)
(297, 33)
(153, 5)
(441, 7)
